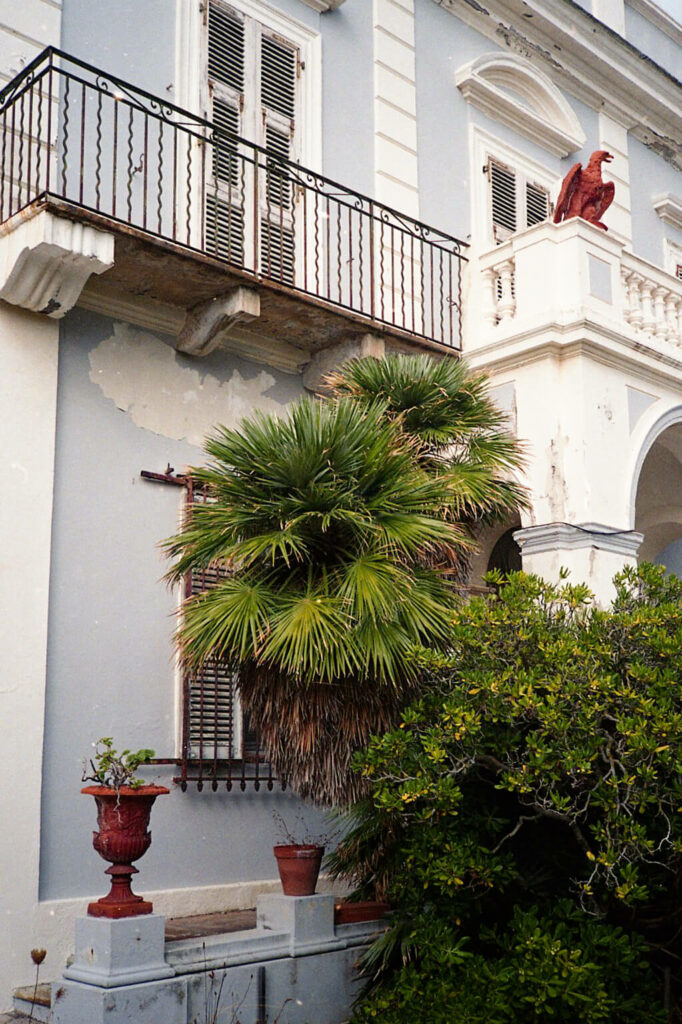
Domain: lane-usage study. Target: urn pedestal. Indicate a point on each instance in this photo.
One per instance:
(123, 837)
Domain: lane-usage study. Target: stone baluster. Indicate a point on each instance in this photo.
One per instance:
(634, 314)
(661, 327)
(671, 302)
(490, 297)
(648, 317)
(625, 292)
(506, 306)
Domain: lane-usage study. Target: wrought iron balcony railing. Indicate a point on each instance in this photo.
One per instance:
(73, 133)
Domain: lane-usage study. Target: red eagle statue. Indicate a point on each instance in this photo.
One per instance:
(584, 194)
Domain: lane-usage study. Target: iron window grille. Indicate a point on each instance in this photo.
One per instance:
(219, 746)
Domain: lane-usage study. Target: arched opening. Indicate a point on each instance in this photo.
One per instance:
(506, 554)
(496, 549)
(658, 505)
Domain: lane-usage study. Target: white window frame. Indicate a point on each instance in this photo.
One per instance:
(483, 148)
(191, 92)
(181, 670)
(672, 258)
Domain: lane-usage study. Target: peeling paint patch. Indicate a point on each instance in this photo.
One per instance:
(145, 379)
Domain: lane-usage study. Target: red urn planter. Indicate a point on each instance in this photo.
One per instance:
(298, 868)
(122, 820)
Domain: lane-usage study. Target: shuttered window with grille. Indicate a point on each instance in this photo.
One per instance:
(253, 79)
(218, 743)
(515, 201)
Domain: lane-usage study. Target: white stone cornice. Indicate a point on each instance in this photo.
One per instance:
(658, 17)
(540, 112)
(580, 338)
(46, 260)
(669, 209)
(535, 540)
(562, 39)
(324, 5)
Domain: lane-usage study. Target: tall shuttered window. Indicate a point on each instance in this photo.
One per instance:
(218, 743)
(253, 82)
(516, 202)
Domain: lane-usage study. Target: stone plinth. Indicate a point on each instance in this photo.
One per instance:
(309, 920)
(119, 975)
(110, 953)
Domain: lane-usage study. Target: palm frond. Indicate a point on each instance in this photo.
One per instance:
(345, 526)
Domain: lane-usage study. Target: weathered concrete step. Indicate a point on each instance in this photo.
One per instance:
(37, 1001)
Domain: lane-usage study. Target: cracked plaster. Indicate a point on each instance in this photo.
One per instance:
(147, 380)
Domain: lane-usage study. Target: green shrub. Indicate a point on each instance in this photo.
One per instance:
(526, 817)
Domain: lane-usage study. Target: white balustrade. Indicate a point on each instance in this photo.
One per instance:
(653, 301)
(648, 301)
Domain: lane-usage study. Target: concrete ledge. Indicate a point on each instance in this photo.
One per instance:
(571, 536)
(157, 1002)
(296, 967)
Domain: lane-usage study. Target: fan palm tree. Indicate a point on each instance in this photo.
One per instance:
(343, 526)
(455, 430)
(332, 530)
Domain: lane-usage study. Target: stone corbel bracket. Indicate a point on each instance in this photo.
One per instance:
(46, 260)
(209, 323)
(328, 359)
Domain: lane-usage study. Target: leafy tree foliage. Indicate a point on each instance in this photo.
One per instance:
(526, 816)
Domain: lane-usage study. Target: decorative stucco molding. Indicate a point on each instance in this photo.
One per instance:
(324, 5)
(659, 18)
(46, 260)
(535, 540)
(207, 324)
(635, 92)
(140, 310)
(669, 209)
(510, 90)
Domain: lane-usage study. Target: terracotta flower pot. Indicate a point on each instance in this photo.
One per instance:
(363, 910)
(298, 868)
(122, 820)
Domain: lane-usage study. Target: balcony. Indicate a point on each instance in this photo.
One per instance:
(197, 213)
(557, 283)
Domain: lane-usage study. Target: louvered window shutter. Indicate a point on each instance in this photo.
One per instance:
(213, 725)
(503, 200)
(213, 719)
(278, 77)
(515, 202)
(537, 204)
(226, 73)
(225, 48)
